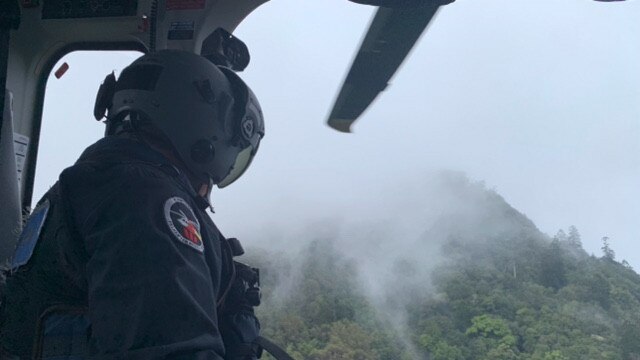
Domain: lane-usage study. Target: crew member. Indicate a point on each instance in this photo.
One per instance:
(119, 259)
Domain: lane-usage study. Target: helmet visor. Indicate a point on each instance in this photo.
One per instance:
(243, 160)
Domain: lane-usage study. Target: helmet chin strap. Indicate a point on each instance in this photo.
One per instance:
(204, 196)
(204, 190)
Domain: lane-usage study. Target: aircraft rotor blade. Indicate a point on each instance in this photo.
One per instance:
(391, 35)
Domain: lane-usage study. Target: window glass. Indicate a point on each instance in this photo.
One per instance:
(68, 125)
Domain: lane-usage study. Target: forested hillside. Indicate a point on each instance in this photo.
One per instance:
(496, 288)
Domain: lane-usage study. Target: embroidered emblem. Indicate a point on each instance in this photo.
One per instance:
(29, 236)
(183, 223)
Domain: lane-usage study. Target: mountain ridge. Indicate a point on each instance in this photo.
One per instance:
(480, 281)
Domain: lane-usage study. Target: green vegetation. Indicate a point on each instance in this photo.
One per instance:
(510, 293)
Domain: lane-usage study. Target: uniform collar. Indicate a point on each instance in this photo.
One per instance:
(120, 149)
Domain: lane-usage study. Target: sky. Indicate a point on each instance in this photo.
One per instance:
(539, 99)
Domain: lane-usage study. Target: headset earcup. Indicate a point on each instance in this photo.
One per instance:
(203, 151)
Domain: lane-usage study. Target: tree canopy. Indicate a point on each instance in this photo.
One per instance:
(513, 293)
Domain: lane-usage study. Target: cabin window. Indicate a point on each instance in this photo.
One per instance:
(68, 125)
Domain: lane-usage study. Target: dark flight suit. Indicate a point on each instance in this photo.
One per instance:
(127, 265)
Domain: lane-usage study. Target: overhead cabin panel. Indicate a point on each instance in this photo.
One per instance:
(78, 9)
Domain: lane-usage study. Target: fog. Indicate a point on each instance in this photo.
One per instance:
(396, 242)
(539, 99)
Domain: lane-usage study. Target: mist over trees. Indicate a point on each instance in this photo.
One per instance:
(480, 281)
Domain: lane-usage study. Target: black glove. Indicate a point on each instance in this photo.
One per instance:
(237, 321)
(240, 333)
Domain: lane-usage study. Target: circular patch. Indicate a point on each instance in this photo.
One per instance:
(183, 222)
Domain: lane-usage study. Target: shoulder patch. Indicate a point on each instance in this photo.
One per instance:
(183, 223)
(29, 236)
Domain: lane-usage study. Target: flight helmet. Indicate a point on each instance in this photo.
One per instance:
(212, 119)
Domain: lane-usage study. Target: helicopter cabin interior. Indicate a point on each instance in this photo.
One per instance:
(36, 34)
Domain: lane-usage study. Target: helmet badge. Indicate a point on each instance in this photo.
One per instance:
(248, 128)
